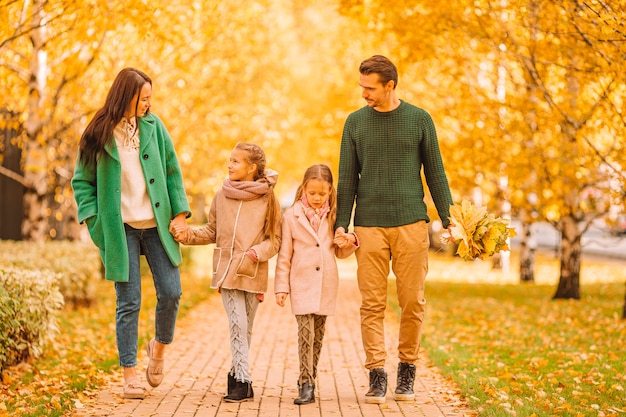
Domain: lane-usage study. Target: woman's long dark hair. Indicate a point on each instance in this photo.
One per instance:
(99, 131)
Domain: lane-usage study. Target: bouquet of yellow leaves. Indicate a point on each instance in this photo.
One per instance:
(478, 233)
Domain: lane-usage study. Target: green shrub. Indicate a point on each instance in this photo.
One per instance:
(78, 264)
(29, 300)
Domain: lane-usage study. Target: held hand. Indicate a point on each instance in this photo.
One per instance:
(179, 220)
(280, 298)
(341, 242)
(180, 232)
(260, 297)
(343, 239)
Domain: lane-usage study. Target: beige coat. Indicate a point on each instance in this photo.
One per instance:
(306, 267)
(236, 226)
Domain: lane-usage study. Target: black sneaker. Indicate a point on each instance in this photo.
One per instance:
(378, 387)
(406, 377)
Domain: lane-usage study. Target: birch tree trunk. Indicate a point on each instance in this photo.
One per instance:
(35, 225)
(527, 252)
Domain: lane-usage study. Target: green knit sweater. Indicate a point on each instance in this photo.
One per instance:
(382, 154)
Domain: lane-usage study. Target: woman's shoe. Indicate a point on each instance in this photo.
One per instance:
(133, 390)
(307, 394)
(241, 392)
(154, 371)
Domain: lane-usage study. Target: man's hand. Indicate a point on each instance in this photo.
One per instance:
(343, 239)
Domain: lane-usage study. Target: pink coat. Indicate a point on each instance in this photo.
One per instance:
(306, 267)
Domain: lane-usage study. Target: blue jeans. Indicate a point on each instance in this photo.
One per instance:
(166, 279)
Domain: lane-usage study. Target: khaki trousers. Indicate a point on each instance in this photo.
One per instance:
(407, 249)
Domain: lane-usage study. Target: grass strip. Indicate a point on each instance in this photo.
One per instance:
(513, 351)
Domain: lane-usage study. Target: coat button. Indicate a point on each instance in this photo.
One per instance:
(157, 205)
(317, 268)
(317, 244)
(145, 156)
(151, 180)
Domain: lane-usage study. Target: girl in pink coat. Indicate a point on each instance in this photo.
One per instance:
(307, 270)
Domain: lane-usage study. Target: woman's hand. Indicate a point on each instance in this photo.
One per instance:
(179, 228)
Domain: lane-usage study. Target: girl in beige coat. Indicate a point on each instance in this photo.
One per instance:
(244, 224)
(307, 270)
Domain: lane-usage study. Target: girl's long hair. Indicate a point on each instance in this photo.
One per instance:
(99, 131)
(255, 155)
(321, 172)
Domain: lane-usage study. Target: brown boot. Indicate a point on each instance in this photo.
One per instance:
(307, 394)
(241, 392)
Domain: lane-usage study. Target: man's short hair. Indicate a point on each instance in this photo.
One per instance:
(382, 66)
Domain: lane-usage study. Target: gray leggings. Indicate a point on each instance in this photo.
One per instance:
(241, 308)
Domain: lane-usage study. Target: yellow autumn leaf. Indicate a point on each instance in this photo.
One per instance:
(477, 233)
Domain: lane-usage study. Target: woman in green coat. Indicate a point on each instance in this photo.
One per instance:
(129, 187)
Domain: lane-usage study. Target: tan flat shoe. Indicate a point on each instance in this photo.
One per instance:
(154, 371)
(133, 390)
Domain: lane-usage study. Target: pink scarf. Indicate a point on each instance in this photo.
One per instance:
(315, 216)
(245, 190)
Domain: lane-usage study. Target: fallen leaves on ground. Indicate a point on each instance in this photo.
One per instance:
(83, 357)
(514, 351)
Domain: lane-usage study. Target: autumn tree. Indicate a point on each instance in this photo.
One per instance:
(564, 58)
(46, 47)
(222, 73)
(538, 91)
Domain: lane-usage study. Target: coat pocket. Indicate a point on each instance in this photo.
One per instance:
(217, 260)
(247, 267)
(94, 226)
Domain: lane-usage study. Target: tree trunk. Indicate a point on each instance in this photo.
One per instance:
(527, 254)
(11, 189)
(624, 311)
(569, 280)
(35, 225)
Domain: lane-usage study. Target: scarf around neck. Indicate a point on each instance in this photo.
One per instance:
(245, 190)
(314, 215)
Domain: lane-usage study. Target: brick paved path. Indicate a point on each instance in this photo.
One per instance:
(198, 361)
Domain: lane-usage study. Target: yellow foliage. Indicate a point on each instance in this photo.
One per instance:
(477, 233)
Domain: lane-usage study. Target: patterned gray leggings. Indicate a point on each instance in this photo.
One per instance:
(311, 329)
(241, 308)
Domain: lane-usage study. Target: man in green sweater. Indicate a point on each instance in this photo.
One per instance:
(384, 147)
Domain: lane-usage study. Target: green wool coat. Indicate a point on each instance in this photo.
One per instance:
(98, 192)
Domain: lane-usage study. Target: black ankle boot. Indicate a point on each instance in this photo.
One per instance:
(378, 387)
(232, 382)
(307, 394)
(406, 377)
(241, 392)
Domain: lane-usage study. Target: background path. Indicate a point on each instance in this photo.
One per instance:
(198, 361)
